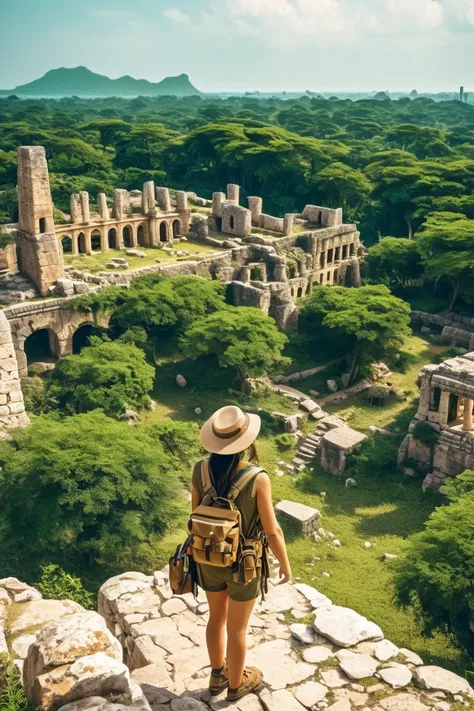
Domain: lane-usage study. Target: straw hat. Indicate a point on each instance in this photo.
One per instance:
(230, 431)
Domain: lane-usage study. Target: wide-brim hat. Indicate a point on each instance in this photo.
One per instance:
(230, 430)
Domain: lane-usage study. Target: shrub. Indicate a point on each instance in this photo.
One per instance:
(285, 440)
(56, 584)
(425, 434)
(377, 456)
(5, 240)
(256, 274)
(12, 696)
(377, 394)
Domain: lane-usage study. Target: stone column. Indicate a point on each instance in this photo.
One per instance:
(87, 236)
(102, 206)
(217, 201)
(104, 242)
(86, 213)
(443, 411)
(12, 407)
(163, 199)
(148, 197)
(153, 236)
(233, 193)
(288, 222)
(121, 204)
(181, 201)
(467, 425)
(134, 237)
(355, 272)
(75, 208)
(256, 208)
(75, 246)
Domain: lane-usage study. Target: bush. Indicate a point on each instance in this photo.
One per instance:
(12, 696)
(285, 441)
(377, 394)
(256, 274)
(56, 584)
(425, 434)
(377, 456)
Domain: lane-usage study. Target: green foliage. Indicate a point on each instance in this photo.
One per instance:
(368, 322)
(256, 274)
(285, 440)
(56, 584)
(396, 260)
(85, 490)
(460, 485)
(425, 434)
(110, 375)
(37, 398)
(242, 338)
(376, 457)
(12, 696)
(180, 441)
(5, 240)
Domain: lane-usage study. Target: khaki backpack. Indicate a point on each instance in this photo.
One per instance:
(216, 529)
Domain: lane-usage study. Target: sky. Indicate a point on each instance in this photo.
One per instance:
(247, 45)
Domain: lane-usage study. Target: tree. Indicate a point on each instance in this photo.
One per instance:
(110, 375)
(342, 185)
(437, 571)
(446, 243)
(242, 338)
(396, 260)
(368, 322)
(83, 491)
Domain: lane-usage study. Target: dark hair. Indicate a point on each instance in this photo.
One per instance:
(223, 467)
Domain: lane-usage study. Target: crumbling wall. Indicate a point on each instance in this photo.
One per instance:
(324, 216)
(236, 220)
(40, 259)
(12, 407)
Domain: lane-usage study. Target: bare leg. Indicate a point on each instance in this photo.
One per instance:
(237, 622)
(215, 632)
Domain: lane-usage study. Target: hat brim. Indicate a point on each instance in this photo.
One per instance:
(239, 443)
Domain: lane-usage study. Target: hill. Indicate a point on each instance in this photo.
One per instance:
(80, 81)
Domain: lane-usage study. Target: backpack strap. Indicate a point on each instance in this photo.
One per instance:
(245, 477)
(206, 481)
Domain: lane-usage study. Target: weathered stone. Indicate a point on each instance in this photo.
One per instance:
(345, 627)
(156, 682)
(310, 693)
(181, 381)
(357, 666)
(164, 633)
(279, 700)
(385, 650)
(187, 704)
(317, 654)
(279, 669)
(303, 633)
(331, 386)
(20, 645)
(40, 612)
(403, 702)
(438, 679)
(28, 595)
(314, 597)
(336, 445)
(307, 518)
(173, 606)
(410, 657)
(146, 652)
(334, 678)
(397, 676)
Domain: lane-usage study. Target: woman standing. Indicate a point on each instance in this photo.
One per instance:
(229, 436)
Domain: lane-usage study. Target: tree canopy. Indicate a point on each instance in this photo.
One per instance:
(395, 260)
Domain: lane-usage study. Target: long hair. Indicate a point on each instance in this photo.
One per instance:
(223, 467)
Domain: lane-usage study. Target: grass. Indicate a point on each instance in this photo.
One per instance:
(98, 261)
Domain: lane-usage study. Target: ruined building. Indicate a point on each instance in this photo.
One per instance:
(446, 405)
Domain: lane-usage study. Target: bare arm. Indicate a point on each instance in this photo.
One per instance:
(276, 539)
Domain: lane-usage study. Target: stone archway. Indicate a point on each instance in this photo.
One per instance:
(81, 243)
(141, 236)
(66, 244)
(42, 346)
(112, 238)
(163, 232)
(176, 228)
(81, 336)
(127, 236)
(96, 241)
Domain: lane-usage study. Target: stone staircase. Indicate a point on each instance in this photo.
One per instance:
(15, 288)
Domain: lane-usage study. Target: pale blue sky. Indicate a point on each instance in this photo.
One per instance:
(237, 45)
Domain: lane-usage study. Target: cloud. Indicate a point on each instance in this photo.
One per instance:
(427, 14)
(177, 16)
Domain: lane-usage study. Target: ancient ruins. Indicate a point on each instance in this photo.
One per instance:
(446, 406)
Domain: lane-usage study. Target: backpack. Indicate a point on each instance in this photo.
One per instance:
(215, 529)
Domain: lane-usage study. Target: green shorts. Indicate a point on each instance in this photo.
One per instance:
(213, 579)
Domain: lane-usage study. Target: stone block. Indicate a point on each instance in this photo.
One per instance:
(306, 518)
(336, 445)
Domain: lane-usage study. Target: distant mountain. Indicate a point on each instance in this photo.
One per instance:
(80, 81)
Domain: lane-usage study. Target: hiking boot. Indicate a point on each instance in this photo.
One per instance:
(251, 681)
(219, 681)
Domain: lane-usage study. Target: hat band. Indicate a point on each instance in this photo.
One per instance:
(230, 435)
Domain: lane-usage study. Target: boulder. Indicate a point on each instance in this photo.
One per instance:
(64, 287)
(135, 253)
(337, 444)
(410, 657)
(385, 650)
(307, 518)
(21, 645)
(66, 640)
(345, 627)
(40, 612)
(181, 381)
(331, 386)
(397, 676)
(350, 483)
(434, 678)
(93, 675)
(303, 633)
(357, 666)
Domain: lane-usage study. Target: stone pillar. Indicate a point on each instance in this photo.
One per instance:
(35, 205)
(153, 236)
(75, 208)
(443, 411)
(218, 200)
(102, 206)
(467, 425)
(12, 407)
(280, 272)
(148, 197)
(85, 209)
(104, 242)
(233, 193)
(163, 199)
(134, 237)
(181, 201)
(75, 245)
(256, 208)
(355, 272)
(288, 222)
(88, 239)
(121, 204)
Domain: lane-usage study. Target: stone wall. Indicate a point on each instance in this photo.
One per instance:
(12, 408)
(236, 220)
(39, 259)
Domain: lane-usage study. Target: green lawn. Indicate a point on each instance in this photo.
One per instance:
(97, 262)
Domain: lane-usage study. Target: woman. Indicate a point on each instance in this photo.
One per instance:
(229, 437)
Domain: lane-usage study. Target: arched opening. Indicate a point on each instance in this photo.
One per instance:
(42, 225)
(231, 222)
(112, 238)
(81, 336)
(81, 243)
(96, 241)
(300, 292)
(42, 346)
(163, 232)
(176, 228)
(127, 236)
(66, 243)
(141, 236)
